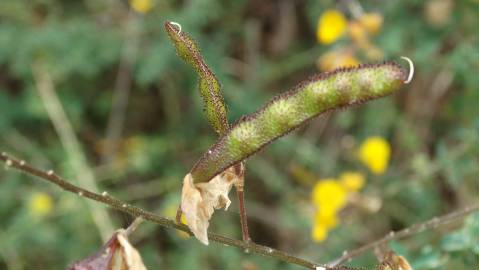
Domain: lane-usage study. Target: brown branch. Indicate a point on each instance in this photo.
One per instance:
(406, 232)
(135, 211)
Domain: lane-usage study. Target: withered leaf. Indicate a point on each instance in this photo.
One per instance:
(199, 201)
(116, 254)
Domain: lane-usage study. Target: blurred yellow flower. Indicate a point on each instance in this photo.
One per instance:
(319, 233)
(372, 22)
(336, 59)
(40, 204)
(329, 194)
(328, 219)
(352, 181)
(141, 6)
(331, 26)
(368, 23)
(375, 152)
(357, 32)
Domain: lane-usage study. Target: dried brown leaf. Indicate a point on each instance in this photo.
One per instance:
(199, 201)
(116, 254)
(393, 261)
(129, 257)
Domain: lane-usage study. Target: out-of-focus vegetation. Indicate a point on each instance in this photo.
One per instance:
(93, 49)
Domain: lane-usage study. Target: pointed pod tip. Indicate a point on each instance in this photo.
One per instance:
(411, 69)
(171, 26)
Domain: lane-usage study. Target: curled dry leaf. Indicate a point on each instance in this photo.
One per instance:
(128, 258)
(116, 254)
(199, 201)
(393, 261)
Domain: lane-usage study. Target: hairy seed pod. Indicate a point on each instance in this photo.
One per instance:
(287, 111)
(209, 86)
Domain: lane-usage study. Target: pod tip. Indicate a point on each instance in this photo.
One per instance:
(411, 69)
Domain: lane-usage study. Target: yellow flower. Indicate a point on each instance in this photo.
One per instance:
(372, 22)
(343, 57)
(141, 6)
(329, 195)
(319, 233)
(328, 219)
(323, 222)
(357, 32)
(369, 23)
(352, 181)
(375, 152)
(331, 26)
(349, 60)
(40, 204)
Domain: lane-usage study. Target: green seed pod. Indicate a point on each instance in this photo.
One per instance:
(287, 111)
(209, 86)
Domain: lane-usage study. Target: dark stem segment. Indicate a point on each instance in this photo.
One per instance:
(179, 213)
(135, 211)
(414, 229)
(239, 170)
(243, 220)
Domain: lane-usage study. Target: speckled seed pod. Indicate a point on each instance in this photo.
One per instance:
(209, 86)
(287, 111)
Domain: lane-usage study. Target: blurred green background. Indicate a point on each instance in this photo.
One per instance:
(137, 115)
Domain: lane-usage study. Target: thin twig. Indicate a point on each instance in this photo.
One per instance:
(135, 211)
(134, 225)
(113, 202)
(239, 171)
(70, 143)
(243, 219)
(406, 232)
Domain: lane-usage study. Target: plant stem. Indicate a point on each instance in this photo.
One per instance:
(414, 229)
(243, 219)
(239, 186)
(113, 202)
(135, 211)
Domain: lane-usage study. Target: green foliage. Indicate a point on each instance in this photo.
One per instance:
(257, 50)
(457, 249)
